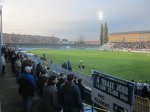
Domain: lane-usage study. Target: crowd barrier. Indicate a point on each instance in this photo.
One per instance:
(141, 104)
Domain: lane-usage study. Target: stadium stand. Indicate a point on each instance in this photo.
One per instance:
(131, 45)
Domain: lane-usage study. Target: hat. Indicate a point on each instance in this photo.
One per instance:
(28, 68)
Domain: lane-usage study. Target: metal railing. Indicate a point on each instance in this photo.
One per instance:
(141, 104)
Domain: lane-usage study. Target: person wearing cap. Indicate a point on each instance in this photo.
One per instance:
(69, 96)
(27, 86)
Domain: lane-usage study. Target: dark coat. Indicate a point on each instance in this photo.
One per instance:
(70, 97)
(82, 90)
(50, 98)
(60, 82)
(27, 84)
(41, 82)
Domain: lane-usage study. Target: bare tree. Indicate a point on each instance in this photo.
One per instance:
(80, 41)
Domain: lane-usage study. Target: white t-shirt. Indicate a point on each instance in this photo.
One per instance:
(139, 86)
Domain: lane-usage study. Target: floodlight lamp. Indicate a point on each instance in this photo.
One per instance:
(100, 15)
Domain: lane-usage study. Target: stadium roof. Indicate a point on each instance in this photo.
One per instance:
(131, 32)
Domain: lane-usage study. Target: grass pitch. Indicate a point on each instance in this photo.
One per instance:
(126, 65)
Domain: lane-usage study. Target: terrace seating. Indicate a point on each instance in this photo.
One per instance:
(132, 45)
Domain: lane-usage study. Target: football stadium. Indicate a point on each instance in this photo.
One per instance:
(117, 69)
(56, 56)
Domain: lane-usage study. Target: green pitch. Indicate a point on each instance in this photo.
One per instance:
(126, 65)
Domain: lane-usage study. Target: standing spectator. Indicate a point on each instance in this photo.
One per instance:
(18, 68)
(92, 72)
(75, 80)
(145, 90)
(27, 86)
(51, 95)
(13, 59)
(25, 63)
(34, 64)
(148, 88)
(2, 50)
(38, 69)
(69, 67)
(82, 88)
(135, 89)
(6, 54)
(61, 80)
(70, 96)
(49, 71)
(139, 88)
(42, 80)
(3, 64)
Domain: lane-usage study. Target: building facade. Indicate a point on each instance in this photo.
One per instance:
(133, 36)
(28, 39)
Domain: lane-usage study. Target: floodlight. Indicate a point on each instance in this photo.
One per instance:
(100, 15)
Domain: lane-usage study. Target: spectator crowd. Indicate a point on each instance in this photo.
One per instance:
(131, 45)
(56, 92)
(143, 89)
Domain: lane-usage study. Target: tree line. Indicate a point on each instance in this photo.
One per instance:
(103, 34)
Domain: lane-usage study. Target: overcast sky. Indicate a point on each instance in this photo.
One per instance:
(72, 19)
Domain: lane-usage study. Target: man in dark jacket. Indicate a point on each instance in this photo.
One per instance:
(70, 96)
(27, 86)
(61, 80)
(42, 79)
(82, 88)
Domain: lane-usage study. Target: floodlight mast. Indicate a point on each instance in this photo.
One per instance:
(100, 17)
(1, 34)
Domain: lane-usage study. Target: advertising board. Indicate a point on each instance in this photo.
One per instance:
(112, 93)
